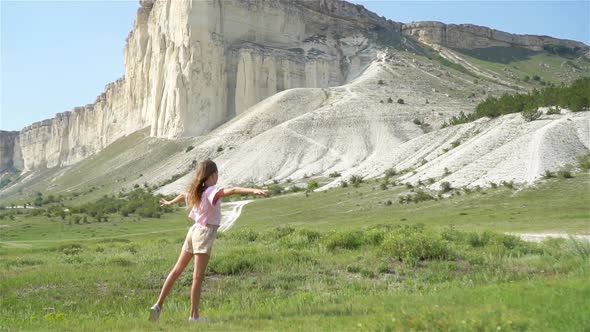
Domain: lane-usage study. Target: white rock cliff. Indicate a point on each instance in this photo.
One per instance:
(191, 66)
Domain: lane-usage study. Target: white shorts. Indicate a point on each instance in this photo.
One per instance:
(199, 239)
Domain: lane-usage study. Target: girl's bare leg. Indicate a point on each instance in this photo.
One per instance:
(201, 261)
(183, 260)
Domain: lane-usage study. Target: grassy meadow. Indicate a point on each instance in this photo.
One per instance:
(350, 258)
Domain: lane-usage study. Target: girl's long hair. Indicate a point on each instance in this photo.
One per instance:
(197, 186)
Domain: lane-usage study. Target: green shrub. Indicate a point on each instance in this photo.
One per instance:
(275, 189)
(498, 244)
(374, 236)
(121, 260)
(280, 232)
(564, 174)
(312, 185)
(415, 246)
(334, 174)
(244, 235)
(477, 240)
(70, 248)
(400, 101)
(390, 172)
(531, 114)
(343, 184)
(353, 269)
(579, 248)
(131, 248)
(451, 234)
(422, 196)
(343, 240)
(416, 197)
(556, 247)
(309, 235)
(20, 261)
(367, 273)
(300, 239)
(190, 147)
(235, 262)
(575, 97)
(446, 172)
(508, 184)
(584, 162)
(445, 187)
(140, 201)
(356, 180)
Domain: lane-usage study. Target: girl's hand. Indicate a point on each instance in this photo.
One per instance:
(260, 192)
(164, 202)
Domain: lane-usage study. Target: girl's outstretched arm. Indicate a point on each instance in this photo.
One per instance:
(179, 198)
(238, 190)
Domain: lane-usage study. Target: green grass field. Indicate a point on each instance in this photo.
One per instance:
(517, 63)
(337, 260)
(554, 205)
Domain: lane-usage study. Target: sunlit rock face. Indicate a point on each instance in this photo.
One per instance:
(10, 153)
(192, 65)
(469, 36)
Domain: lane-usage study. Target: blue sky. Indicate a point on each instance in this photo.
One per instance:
(56, 55)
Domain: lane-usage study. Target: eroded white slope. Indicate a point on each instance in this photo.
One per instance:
(352, 128)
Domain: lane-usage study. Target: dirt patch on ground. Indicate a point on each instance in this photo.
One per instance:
(538, 237)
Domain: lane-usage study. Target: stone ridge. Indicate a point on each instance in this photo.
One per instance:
(470, 36)
(10, 153)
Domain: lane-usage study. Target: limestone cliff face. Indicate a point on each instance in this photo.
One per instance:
(192, 65)
(470, 36)
(10, 153)
(72, 136)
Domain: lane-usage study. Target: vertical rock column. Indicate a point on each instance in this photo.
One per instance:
(10, 152)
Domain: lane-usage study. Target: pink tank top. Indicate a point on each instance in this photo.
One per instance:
(208, 213)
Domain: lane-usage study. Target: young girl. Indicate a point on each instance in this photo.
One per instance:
(204, 199)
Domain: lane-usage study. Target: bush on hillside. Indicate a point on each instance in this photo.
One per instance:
(584, 162)
(356, 180)
(312, 185)
(390, 172)
(575, 97)
(415, 245)
(138, 201)
(343, 240)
